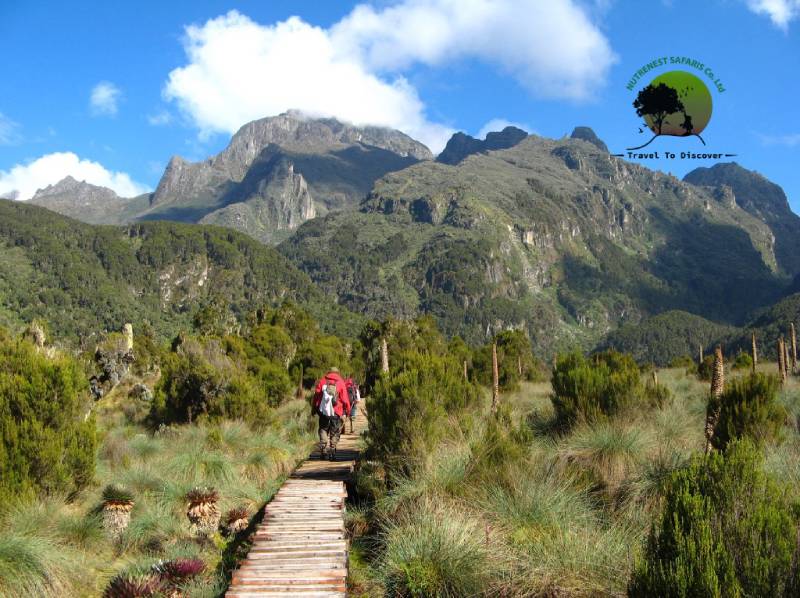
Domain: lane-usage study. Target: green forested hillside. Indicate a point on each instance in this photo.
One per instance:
(556, 238)
(83, 279)
(667, 336)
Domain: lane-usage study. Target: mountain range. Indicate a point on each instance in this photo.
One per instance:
(555, 237)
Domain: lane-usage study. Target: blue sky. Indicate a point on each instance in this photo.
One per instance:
(109, 91)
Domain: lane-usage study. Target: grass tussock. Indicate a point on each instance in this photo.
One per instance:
(55, 547)
(514, 505)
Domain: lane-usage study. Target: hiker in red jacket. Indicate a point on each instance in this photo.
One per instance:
(332, 404)
(354, 393)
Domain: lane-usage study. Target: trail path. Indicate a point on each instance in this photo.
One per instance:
(300, 548)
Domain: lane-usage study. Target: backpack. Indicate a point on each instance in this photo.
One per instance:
(331, 387)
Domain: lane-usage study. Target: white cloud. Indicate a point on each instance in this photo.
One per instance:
(9, 131)
(552, 48)
(25, 179)
(790, 140)
(162, 117)
(104, 98)
(780, 12)
(239, 70)
(498, 124)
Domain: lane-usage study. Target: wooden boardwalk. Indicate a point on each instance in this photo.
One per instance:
(300, 548)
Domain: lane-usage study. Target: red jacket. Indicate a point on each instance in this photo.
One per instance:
(342, 406)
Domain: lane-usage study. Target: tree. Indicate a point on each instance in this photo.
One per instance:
(46, 442)
(657, 102)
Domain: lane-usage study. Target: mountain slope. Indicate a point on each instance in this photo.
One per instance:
(763, 199)
(89, 203)
(461, 145)
(556, 237)
(84, 278)
(338, 162)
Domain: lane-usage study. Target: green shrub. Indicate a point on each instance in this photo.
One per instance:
(48, 444)
(743, 361)
(684, 361)
(317, 357)
(706, 369)
(748, 407)
(409, 407)
(273, 379)
(199, 380)
(273, 343)
(725, 530)
(658, 395)
(515, 360)
(593, 389)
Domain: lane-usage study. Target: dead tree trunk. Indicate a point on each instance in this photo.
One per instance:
(717, 387)
(701, 356)
(782, 360)
(384, 356)
(300, 393)
(466, 377)
(794, 347)
(495, 379)
(755, 351)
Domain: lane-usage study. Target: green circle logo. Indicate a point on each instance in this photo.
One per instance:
(675, 103)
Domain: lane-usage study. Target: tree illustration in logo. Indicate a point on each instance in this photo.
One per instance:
(675, 103)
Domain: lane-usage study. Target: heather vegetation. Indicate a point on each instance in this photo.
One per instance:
(151, 487)
(590, 482)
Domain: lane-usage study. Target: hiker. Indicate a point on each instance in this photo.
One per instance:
(332, 404)
(354, 394)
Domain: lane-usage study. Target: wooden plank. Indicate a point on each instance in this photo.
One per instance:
(299, 548)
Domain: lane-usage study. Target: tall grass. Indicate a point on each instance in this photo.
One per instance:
(57, 548)
(436, 551)
(509, 512)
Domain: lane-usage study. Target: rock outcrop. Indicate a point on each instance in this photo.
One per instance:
(588, 134)
(462, 145)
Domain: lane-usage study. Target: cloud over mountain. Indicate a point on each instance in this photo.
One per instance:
(23, 180)
(239, 70)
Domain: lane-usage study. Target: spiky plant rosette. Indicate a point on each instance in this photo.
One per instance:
(133, 585)
(178, 571)
(115, 494)
(202, 495)
(237, 519)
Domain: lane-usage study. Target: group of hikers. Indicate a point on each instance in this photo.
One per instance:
(335, 400)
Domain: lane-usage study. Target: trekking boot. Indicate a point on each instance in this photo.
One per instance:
(332, 455)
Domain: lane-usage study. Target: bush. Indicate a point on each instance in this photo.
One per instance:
(743, 361)
(706, 369)
(200, 381)
(593, 390)
(435, 551)
(725, 530)
(409, 407)
(657, 395)
(515, 360)
(749, 408)
(48, 444)
(318, 356)
(684, 361)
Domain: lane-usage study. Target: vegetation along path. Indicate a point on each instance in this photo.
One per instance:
(300, 548)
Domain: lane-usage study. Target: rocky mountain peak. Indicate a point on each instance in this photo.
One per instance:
(290, 132)
(753, 191)
(462, 145)
(78, 190)
(588, 134)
